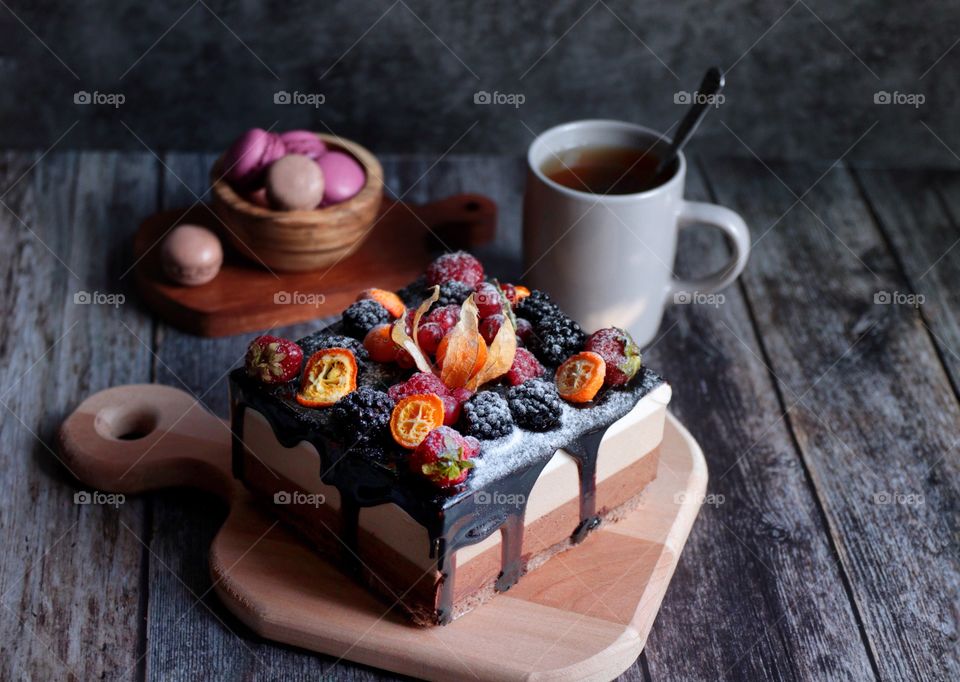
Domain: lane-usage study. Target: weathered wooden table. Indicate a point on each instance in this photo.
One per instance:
(826, 402)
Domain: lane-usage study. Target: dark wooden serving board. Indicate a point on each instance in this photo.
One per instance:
(246, 297)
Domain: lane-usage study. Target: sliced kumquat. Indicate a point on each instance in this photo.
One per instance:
(521, 291)
(330, 374)
(580, 377)
(387, 299)
(414, 417)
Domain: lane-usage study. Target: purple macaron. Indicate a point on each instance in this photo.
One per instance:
(343, 177)
(303, 142)
(247, 159)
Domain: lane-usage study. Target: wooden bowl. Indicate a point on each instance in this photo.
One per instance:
(294, 241)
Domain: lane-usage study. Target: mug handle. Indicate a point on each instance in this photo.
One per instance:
(701, 213)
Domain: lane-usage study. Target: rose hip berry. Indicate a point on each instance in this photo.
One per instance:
(419, 383)
(490, 326)
(525, 331)
(446, 316)
(273, 360)
(428, 336)
(525, 367)
(487, 298)
(619, 352)
(459, 266)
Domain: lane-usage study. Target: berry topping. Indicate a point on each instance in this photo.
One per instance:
(537, 306)
(414, 417)
(487, 416)
(273, 360)
(387, 299)
(446, 316)
(362, 316)
(453, 293)
(490, 326)
(520, 292)
(429, 336)
(421, 382)
(510, 292)
(525, 367)
(478, 360)
(321, 340)
(580, 377)
(453, 403)
(535, 405)
(329, 375)
(557, 338)
(378, 343)
(525, 332)
(621, 354)
(488, 300)
(444, 457)
(459, 266)
(363, 417)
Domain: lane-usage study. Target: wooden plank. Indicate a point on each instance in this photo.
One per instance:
(758, 593)
(70, 577)
(918, 212)
(870, 405)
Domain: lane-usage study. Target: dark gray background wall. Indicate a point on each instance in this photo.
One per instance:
(401, 75)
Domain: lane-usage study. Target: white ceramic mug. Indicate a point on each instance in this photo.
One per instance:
(607, 259)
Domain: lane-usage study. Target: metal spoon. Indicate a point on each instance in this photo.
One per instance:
(710, 86)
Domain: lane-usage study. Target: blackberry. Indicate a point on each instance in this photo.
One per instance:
(362, 417)
(321, 339)
(452, 293)
(557, 338)
(536, 306)
(487, 416)
(535, 405)
(362, 316)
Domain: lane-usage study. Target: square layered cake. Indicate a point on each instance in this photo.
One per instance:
(442, 441)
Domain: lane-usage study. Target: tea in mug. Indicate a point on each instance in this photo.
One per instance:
(604, 170)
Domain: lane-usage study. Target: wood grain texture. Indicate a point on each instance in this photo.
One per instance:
(760, 535)
(70, 577)
(584, 615)
(870, 405)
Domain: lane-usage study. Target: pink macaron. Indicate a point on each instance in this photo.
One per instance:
(303, 142)
(245, 162)
(343, 177)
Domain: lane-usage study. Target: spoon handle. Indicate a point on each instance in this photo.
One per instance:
(711, 85)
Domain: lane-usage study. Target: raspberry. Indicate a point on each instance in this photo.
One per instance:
(487, 298)
(535, 405)
(362, 316)
(459, 266)
(557, 338)
(428, 336)
(618, 350)
(444, 456)
(490, 326)
(487, 416)
(525, 367)
(452, 293)
(446, 316)
(525, 332)
(421, 382)
(536, 306)
(321, 340)
(362, 417)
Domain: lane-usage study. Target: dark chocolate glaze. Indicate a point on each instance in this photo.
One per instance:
(492, 499)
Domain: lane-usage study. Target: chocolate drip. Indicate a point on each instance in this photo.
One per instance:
(511, 552)
(585, 450)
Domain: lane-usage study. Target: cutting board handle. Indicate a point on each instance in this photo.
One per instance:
(140, 437)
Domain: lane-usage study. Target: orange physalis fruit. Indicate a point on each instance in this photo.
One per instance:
(380, 345)
(478, 362)
(330, 374)
(414, 417)
(580, 377)
(387, 299)
(521, 292)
